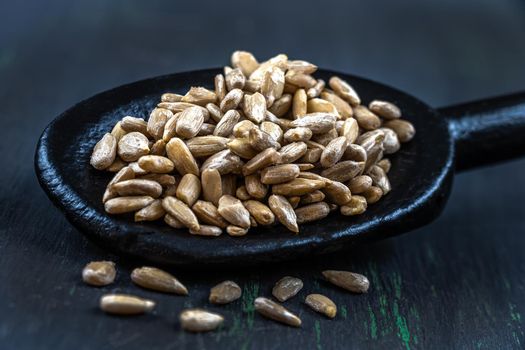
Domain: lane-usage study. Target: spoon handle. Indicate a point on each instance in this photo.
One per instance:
(487, 131)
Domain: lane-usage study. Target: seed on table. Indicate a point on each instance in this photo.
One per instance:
(360, 184)
(157, 280)
(385, 109)
(104, 152)
(122, 304)
(232, 210)
(181, 157)
(286, 288)
(152, 212)
(181, 212)
(321, 304)
(357, 205)
(312, 212)
(404, 129)
(279, 173)
(225, 293)
(284, 212)
(207, 230)
(276, 312)
(199, 96)
(130, 124)
(196, 320)
(344, 90)
(138, 187)
(99, 273)
(350, 281)
(121, 205)
(262, 214)
(208, 213)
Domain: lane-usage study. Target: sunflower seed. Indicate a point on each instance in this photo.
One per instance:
(208, 213)
(255, 187)
(130, 124)
(350, 130)
(189, 189)
(224, 161)
(123, 174)
(343, 108)
(158, 148)
(276, 312)
(156, 122)
(118, 132)
(245, 61)
(385, 164)
(196, 320)
(272, 84)
(284, 212)
(298, 134)
(231, 100)
(173, 221)
(121, 205)
(190, 122)
(312, 212)
(360, 184)
(385, 109)
(220, 87)
(205, 146)
(152, 212)
(366, 119)
(281, 106)
(237, 231)
(138, 187)
(299, 105)
(260, 212)
(157, 280)
(242, 148)
(351, 281)
(260, 140)
(122, 304)
(379, 178)
(156, 164)
(170, 128)
(242, 128)
(297, 187)
(318, 123)
(319, 105)
(117, 165)
(279, 173)
(312, 197)
(181, 212)
(321, 304)
(343, 171)
(235, 79)
(207, 230)
(262, 160)
(225, 126)
(99, 273)
(132, 146)
(315, 90)
(355, 152)
(104, 152)
(286, 288)
(199, 96)
(344, 90)
(333, 151)
(232, 210)
(171, 97)
(404, 129)
(225, 293)
(357, 205)
(181, 157)
(293, 151)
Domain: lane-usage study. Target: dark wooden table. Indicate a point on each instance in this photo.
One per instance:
(458, 283)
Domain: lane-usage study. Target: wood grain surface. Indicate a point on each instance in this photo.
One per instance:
(458, 283)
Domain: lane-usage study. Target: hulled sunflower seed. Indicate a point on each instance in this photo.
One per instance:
(333, 151)
(312, 155)
(130, 124)
(199, 96)
(276, 312)
(189, 189)
(156, 122)
(117, 165)
(286, 288)
(231, 100)
(173, 221)
(357, 205)
(273, 130)
(207, 230)
(360, 184)
(118, 132)
(158, 148)
(385, 109)
(123, 174)
(235, 79)
(163, 179)
(225, 126)
(181, 157)
(152, 212)
(366, 119)
(293, 151)
(355, 152)
(321, 304)
(225, 162)
(301, 66)
(312, 197)
(284, 212)
(242, 128)
(344, 171)
(279, 173)
(190, 122)
(196, 320)
(255, 107)
(337, 192)
(255, 187)
(220, 87)
(404, 129)
(170, 128)
(237, 231)
(260, 212)
(205, 146)
(343, 108)
(385, 164)
(242, 148)
(138, 187)
(319, 105)
(281, 106)
(232, 210)
(318, 123)
(157, 280)
(299, 105)
(297, 134)
(350, 281)
(225, 293)
(121, 205)
(372, 194)
(344, 90)
(245, 61)
(272, 84)
(104, 152)
(262, 160)
(297, 187)
(208, 213)
(156, 164)
(350, 130)
(315, 90)
(312, 212)
(122, 304)
(181, 212)
(132, 146)
(171, 97)
(99, 273)
(260, 140)
(379, 178)
(211, 185)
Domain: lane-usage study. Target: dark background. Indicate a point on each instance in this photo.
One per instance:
(458, 283)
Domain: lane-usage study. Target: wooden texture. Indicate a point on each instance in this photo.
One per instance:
(458, 283)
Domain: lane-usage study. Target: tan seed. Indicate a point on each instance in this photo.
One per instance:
(333, 151)
(170, 128)
(343, 171)
(298, 134)
(299, 106)
(315, 90)
(284, 212)
(181, 212)
(152, 212)
(229, 184)
(176, 107)
(156, 164)
(312, 155)
(293, 151)
(385, 164)
(173, 221)
(262, 160)
(276, 312)
(273, 130)
(255, 187)
(99, 273)
(225, 162)
(245, 61)
(319, 105)
(220, 87)
(104, 152)
(372, 194)
(225, 126)
(158, 148)
(242, 128)
(189, 189)
(123, 174)
(286, 288)
(281, 106)
(232, 210)
(385, 109)
(366, 119)
(163, 179)
(318, 123)
(350, 281)
(350, 130)
(231, 100)
(208, 213)
(356, 206)
(343, 108)
(312, 197)
(171, 97)
(138, 187)
(181, 157)
(215, 112)
(132, 146)
(242, 148)
(272, 84)
(190, 122)
(360, 184)
(255, 107)
(235, 79)
(261, 213)
(297, 187)
(156, 122)
(404, 129)
(391, 142)
(312, 212)
(294, 201)
(300, 66)
(205, 146)
(123, 205)
(355, 152)
(260, 140)
(321, 304)
(121, 304)
(236, 231)
(118, 132)
(337, 192)
(211, 185)
(279, 173)
(344, 90)
(117, 165)
(196, 320)
(225, 293)
(379, 178)
(130, 124)
(199, 96)
(157, 280)
(207, 230)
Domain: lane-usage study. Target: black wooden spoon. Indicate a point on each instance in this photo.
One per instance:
(447, 140)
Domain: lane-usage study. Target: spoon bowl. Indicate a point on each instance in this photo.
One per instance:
(421, 177)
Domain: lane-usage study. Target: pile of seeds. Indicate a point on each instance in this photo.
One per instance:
(102, 273)
(270, 143)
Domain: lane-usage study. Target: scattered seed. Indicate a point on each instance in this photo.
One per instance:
(122, 304)
(196, 320)
(276, 312)
(286, 288)
(157, 280)
(321, 304)
(225, 293)
(99, 273)
(351, 281)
